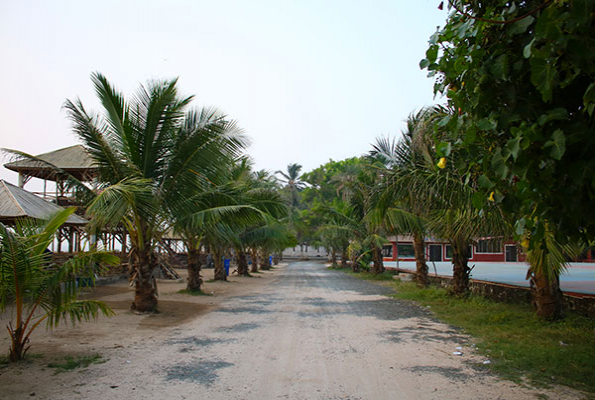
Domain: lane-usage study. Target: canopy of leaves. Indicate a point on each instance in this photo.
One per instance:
(520, 77)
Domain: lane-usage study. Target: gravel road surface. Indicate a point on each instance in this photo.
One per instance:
(309, 333)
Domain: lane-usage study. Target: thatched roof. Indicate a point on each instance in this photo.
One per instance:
(74, 159)
(17, 203)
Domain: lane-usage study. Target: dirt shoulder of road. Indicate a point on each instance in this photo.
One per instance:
(124, 329)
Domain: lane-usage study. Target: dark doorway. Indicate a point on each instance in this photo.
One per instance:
(511, 253)
(435, 252)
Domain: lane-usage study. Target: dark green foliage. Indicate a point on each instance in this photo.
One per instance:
(523, 96)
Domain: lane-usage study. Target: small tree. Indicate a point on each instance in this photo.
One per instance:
(40, 290)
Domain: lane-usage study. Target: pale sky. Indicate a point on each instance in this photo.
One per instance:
(307, 80)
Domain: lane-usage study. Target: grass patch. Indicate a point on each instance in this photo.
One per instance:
(194, 292)
(339, 268)
(69, 363)
(368, 276)
(515, 340)
(365, 275)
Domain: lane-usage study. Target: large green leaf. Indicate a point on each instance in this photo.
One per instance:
(557, 144)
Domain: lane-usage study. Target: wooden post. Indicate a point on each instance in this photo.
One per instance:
(59, 244)
(71, 240)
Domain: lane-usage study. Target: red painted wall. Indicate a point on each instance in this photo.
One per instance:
(483, 257)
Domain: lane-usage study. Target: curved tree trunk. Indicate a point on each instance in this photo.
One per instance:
(377, 264)
(242, 263)
(421, 268)
(547, 297)
(145, 287)
(194, 281)
(254, 256)
(460, 268)
(219, 267)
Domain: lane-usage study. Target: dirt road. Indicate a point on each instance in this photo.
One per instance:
(304, 333)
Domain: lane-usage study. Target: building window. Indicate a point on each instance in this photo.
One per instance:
(405, 251)
(448, 251)
(387, 251)
(491, 245)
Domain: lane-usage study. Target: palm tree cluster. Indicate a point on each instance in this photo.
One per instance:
(162, 167)
(414, 186)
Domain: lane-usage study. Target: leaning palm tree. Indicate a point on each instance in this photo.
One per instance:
(38, 289)
(149, 149)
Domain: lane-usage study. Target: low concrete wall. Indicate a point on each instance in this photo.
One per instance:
(583, 304)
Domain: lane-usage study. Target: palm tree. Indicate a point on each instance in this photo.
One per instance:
(355, 224)
(40, 290)
(547, 259)
(149, 149)
(404, 201)
(293, 183)
(210, 209)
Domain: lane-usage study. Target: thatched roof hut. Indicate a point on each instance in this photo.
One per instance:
(74, 160)
(16, 203)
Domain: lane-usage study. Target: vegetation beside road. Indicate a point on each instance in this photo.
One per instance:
(518, 344)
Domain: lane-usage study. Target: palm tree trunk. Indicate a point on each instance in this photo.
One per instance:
(377, 264)
(460, 268)
(18, 347)
(242, 263)
(145, 294)
(354, 264)
(194, 266)
(333, 257)
(254, 256)
(343, 258)
(547, 296)
(421, 268)
(219, 267)
(264, 261)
